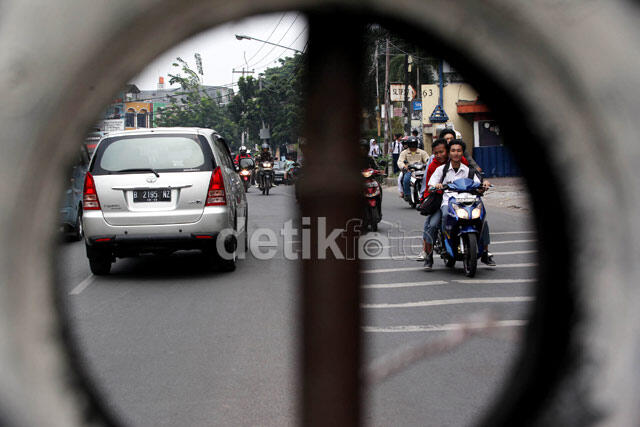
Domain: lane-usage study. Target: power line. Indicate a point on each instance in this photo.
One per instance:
(281, 38)
(268, 38)
(284, 50)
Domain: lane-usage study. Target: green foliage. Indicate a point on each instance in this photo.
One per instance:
(422, 63)
(275, 100)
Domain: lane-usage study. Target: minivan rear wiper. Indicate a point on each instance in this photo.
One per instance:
(138, 170)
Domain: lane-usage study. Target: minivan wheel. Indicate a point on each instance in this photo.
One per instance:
(78, 231)
(100, 266)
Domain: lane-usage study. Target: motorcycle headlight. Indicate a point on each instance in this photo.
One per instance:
(475, 213)
(367, 173)
(462, 213)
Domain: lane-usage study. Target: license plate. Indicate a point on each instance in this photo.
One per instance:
(156, 195)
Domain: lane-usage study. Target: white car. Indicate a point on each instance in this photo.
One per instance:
(160, 190)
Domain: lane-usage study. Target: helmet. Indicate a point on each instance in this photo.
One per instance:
(412, 142)
(243, 150)
(265, 146)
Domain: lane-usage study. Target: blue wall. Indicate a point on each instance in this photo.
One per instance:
(495, 161)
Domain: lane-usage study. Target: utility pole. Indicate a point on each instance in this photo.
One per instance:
(233, 71)
(387, 104)
(377, 92)
(407, 122)
(243, 71)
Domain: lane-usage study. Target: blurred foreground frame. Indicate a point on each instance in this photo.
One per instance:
(553, 74)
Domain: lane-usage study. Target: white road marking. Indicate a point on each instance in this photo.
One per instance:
(405, 285)
(444, 282)
(514, 252)
(404, 237)
(387, 222)
(412, 256)
(513, 241)
(496, 280)
(83, 285)
(419, 236)
(511, 232)
(503, 253)
(455, 301)
(392, 270)
(444, 328)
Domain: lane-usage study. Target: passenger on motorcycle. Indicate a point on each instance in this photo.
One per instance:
(410, 156)
(432, 222)
(449, 135)
(456, 171)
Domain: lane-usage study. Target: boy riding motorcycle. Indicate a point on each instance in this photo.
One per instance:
(457, 169)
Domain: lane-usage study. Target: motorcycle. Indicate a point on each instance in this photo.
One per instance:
(293, 173)
(461, 239)
(265, 176)
(372, 214)
(246, 166)
(417, 175)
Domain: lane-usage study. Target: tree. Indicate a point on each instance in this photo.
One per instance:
(192, 106)
(275, 100)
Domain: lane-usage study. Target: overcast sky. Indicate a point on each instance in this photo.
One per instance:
(221, 51)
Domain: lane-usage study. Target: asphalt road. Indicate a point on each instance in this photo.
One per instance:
(173, 344)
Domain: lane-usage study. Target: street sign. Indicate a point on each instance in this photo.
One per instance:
(265, 133)
(417, 105)
(112, 125)
(397, 92)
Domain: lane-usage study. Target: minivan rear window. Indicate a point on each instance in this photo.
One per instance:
(162, 153)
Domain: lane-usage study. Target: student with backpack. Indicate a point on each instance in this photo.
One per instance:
(452, 170)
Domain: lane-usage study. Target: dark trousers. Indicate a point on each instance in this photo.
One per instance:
(396, 169)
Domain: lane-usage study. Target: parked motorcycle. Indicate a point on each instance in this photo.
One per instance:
(246, 166)
(461, 239)
(265, 176)
(417, 175)
(372, 213)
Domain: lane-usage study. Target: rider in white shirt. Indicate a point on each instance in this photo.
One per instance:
(456, 171)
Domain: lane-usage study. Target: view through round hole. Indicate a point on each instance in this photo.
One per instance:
(35, 278)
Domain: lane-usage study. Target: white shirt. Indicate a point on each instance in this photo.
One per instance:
(374, 151)
(396, 147)
(452, 175)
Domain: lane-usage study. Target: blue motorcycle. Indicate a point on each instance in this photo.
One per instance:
(461, 239)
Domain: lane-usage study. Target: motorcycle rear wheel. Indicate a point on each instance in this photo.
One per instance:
(470, 259)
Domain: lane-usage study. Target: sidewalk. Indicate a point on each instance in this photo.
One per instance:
(508, 192)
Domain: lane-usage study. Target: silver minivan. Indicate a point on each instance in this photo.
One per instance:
(161, 190)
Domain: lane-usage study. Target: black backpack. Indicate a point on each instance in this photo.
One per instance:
(433, 201)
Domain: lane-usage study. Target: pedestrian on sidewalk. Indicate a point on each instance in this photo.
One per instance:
(374, 149)
(395, 149)
(414, 132)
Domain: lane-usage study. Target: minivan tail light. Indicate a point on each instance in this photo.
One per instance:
(90, 195)
(216, 194)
